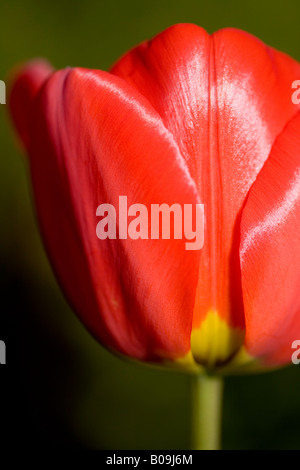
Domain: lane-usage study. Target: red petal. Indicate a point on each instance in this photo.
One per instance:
(270, 252)
(92, 139)
(225, 98)
(27, 83)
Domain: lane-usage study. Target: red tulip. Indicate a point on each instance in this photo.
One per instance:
(184, 118)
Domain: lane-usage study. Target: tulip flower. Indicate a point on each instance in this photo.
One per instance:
(186, 118)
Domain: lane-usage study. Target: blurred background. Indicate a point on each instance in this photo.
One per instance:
(60, 389)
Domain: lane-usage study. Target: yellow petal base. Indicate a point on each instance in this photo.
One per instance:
(215, 342)
(216, 348)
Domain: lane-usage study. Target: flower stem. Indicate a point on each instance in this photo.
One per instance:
(207, 394)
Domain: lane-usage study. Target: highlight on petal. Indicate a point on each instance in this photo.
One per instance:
(270, 255)
(225, 98)
(93, 138)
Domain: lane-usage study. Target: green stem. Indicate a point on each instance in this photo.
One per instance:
(207, 394)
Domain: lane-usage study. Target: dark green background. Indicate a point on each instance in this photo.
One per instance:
(59, 387)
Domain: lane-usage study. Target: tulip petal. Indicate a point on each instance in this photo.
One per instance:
(225, 98)
(92, 139)
(34, 75)
(270, 255)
